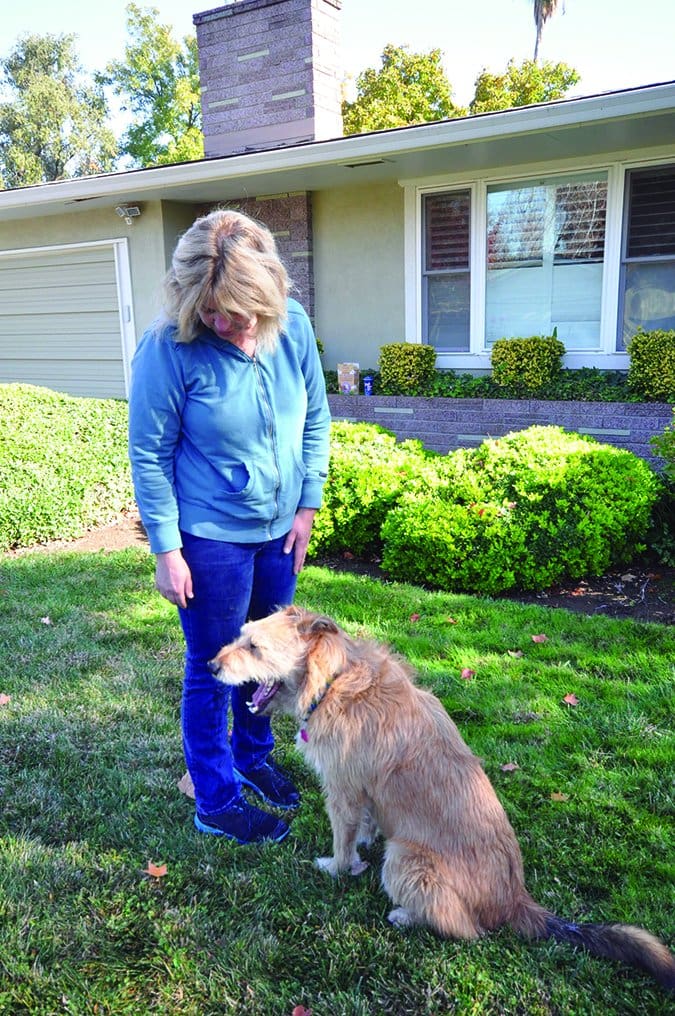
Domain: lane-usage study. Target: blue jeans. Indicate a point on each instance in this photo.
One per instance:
(232, 583)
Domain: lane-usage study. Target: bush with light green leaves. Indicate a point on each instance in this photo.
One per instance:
(527, 364)
(651, 371)
(369, 472)
(63, 464)
(547, 505)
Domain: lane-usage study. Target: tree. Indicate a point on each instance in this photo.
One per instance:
(525, 85)
(159, 82)
(408, 88)
(51, 117)
(542, 10)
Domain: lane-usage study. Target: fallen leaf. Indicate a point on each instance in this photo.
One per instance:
(557, 796)
(467, 673)
(4, 699)
(451, 620)
(155, 870)
(539, 638)
(46, 620)
(415, 617)
(300, 1010)
(509, 767)
(628, 577)
(516, 653)
(571, 699)
(186, 786)
(348, 556)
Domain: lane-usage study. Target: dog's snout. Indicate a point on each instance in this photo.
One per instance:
(213, 666)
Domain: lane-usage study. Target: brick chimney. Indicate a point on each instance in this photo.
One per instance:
(269, 72)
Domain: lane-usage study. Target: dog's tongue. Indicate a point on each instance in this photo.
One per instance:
(261, 696)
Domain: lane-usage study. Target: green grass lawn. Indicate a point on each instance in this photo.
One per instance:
(90, 755)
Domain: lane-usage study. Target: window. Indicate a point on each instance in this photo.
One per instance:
(648, 264)
(545, 251)
(445, 270)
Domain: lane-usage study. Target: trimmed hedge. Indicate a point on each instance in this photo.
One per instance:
(652, 364)
(552, 505)
(368, 474)
(63, 464)
(406, 367)
(528, 364)
(524, 511)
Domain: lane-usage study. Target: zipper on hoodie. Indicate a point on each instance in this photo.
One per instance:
(269, 422)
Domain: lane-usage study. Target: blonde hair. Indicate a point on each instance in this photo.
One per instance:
(227, 262)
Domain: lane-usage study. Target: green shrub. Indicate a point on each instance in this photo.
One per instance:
(587, 384)
(63, 464)
(528, 364)
(663, 446)
(406, 368)
(369, 472)
(662, 534)
(651, 371)
(451, 546)
(552, 505)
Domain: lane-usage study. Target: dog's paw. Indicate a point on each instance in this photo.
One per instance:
(401, 918)
(327, 864)
(358, 867)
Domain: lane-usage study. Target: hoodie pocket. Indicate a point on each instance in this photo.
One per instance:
(235, 478)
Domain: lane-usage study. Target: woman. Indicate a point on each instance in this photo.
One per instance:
(228, 438)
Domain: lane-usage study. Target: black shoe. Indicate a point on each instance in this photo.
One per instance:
(271, 784)
(244, 823)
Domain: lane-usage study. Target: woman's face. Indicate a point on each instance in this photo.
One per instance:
(233, 327)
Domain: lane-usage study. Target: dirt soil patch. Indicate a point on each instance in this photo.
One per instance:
(643, 591)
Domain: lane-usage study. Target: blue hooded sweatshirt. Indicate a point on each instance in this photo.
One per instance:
(223, 445)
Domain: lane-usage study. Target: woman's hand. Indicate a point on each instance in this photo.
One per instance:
(298, 537)
(173, 578)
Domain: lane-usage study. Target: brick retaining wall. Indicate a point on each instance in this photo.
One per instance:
(445, 424)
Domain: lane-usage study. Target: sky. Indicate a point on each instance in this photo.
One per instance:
(613, 44)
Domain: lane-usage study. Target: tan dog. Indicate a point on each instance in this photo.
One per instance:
(390, 758)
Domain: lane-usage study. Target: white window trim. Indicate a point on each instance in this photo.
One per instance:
(125, 302)
(478, 359)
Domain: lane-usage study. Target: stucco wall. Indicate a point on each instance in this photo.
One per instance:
(358, 271)
(152, 237)
(145, 236)
(176, 219)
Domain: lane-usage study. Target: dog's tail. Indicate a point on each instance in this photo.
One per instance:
(623, 943)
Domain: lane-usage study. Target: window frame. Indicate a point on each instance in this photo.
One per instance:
(478, 360)
(545, 190)
(625, 261)
(427, 273)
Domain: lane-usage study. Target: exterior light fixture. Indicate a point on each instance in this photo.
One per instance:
(128, 213)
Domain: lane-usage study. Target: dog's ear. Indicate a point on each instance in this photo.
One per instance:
(317, 624)
(326, 658)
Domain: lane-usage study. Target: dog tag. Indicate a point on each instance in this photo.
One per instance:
(303, 734)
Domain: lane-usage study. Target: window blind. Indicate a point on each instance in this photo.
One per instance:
(651, 213)
(447, 230)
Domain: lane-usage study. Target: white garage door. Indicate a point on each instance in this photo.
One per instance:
(65, 318)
